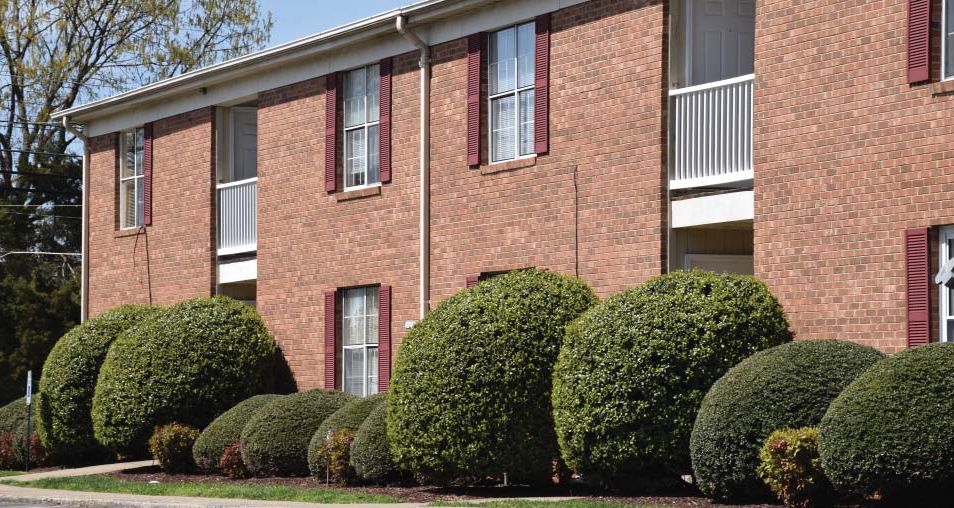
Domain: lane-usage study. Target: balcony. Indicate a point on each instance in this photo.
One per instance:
(711, 134)
(238, 216)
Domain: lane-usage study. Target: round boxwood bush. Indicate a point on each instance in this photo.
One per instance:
(788, 386)
(371, 450)
(348, 418)
(471, 385)
(633, 371)
(188, 364)
(890, 430)
(275, 441)
(225, 430)
(69, 379)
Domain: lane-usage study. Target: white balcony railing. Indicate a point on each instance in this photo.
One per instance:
(711, 132)
(238, 216)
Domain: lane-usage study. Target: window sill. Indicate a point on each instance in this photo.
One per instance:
(500, 167)
(942, 87)
(123, 233)
(358, 193)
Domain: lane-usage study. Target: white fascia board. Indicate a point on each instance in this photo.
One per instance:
(238, 271)
(717, 209)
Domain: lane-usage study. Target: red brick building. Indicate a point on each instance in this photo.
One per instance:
(612, 140)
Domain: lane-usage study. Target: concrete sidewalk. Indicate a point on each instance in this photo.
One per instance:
(80, 471)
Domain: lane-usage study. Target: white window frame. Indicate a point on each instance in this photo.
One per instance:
(945, 239)
(366, 127)
(946, 74)
(370, 384)
(137, 174)
(516, 92)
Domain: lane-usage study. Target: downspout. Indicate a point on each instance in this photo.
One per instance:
(84, 234)
(425, 213)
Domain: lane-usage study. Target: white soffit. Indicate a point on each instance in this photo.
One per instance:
(717, 209)
(238, 271)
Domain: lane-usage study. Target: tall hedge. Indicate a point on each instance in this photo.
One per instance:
(633, 371)
(275, 441)
(371, 450)
(70, 374)
(470, 391)
(788, 386)
(226, 430)
(890, 431)
(348, 418)
(189, 364)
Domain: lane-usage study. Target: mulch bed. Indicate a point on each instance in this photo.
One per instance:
(418, 494)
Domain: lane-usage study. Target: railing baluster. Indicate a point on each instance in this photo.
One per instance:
(238, 205)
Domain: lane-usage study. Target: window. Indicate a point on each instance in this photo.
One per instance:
(131, 179)
(511, 76)
(361, 135)
(359, 333)
(945, 252)
(947, 41)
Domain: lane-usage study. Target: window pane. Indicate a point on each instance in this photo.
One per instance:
(374, 77)
(502, 128)
(139, 200)
(127, 198)
(354, 102)
(502, 61)
(372, 321)
(372, 370)
(948, 39)
(526, 123)
(373, 142)
(129, 163)
(354, 158)
(525, 47)
(139, 148)
(353, 374)
(353, 317)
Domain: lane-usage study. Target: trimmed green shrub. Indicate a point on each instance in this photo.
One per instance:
(348, 418)
(889, 432)
(371, 450)
(788, 386)
(188, 364)
(634, 370)
(69, 379)
(226, 430)
(471, 385)
(790, 466)
(275, 441)
(171, 446)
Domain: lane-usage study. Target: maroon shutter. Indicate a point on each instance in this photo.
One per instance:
(919, 40)
(331, 339)
(474, 43)
(472, 281)
(147, 174)
(384, 122)
(541, 85)
(331, 131)
(384, 338)
(916, 253)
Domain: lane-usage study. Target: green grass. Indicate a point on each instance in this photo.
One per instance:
(220, 490)
(10, 473)
(573, 503)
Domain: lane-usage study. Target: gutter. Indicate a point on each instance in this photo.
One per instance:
(84, 235)
(425, 156)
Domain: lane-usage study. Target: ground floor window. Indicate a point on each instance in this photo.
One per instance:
(359, 334)
(945, 252)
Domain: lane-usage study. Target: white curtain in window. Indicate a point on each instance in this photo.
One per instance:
(502, 128)
(502, 60)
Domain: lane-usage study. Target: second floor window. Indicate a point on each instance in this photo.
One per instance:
(511, 92)
(131, 180)
(361, 135)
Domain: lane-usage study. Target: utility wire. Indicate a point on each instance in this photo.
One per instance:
(40, 191)
(27, 173)
(39, 206)
(40, 153)
(33, 253)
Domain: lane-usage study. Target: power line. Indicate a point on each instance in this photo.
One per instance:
(40, 153)
(43, 216)
(32, 253)
(38, 206)
(40, 191)
(27, 173)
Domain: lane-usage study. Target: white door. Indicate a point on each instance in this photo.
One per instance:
(244, 143)
(742, 265)
(722, 39)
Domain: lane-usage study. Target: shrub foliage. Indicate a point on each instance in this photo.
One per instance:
(275, 441)
(171, 446)
(226, 430)
(471, 386)
(189, 364)
(371, 450)
(788, 386)
(13, 418)
(791, 468)
(633, 371)
(69, 378)
(889, 432)
(345, 420)
(231, 463)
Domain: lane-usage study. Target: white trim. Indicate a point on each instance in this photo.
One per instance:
(363, 126)
(945, 234)
(236, 183)
(140, 217)
(717, 209)
(238, 250)
(714, 84)
(738, 178)
(944, 30)
(238, 271)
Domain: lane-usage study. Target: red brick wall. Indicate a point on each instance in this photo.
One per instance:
(174, 258)
(847, 156)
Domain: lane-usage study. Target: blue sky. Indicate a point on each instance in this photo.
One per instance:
(298, 18)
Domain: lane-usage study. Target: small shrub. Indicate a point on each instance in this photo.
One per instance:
(787, 386)
(69, 380)
(231, 463)
(13, 418)
(471, 384)
(188, 364)
(634, 370)
(791, 468)
(171, 446)
(348, 418)
(371, 450)
(226, 430)
(334, 455)
(889, 432)
(275, 441)
(8, 454)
